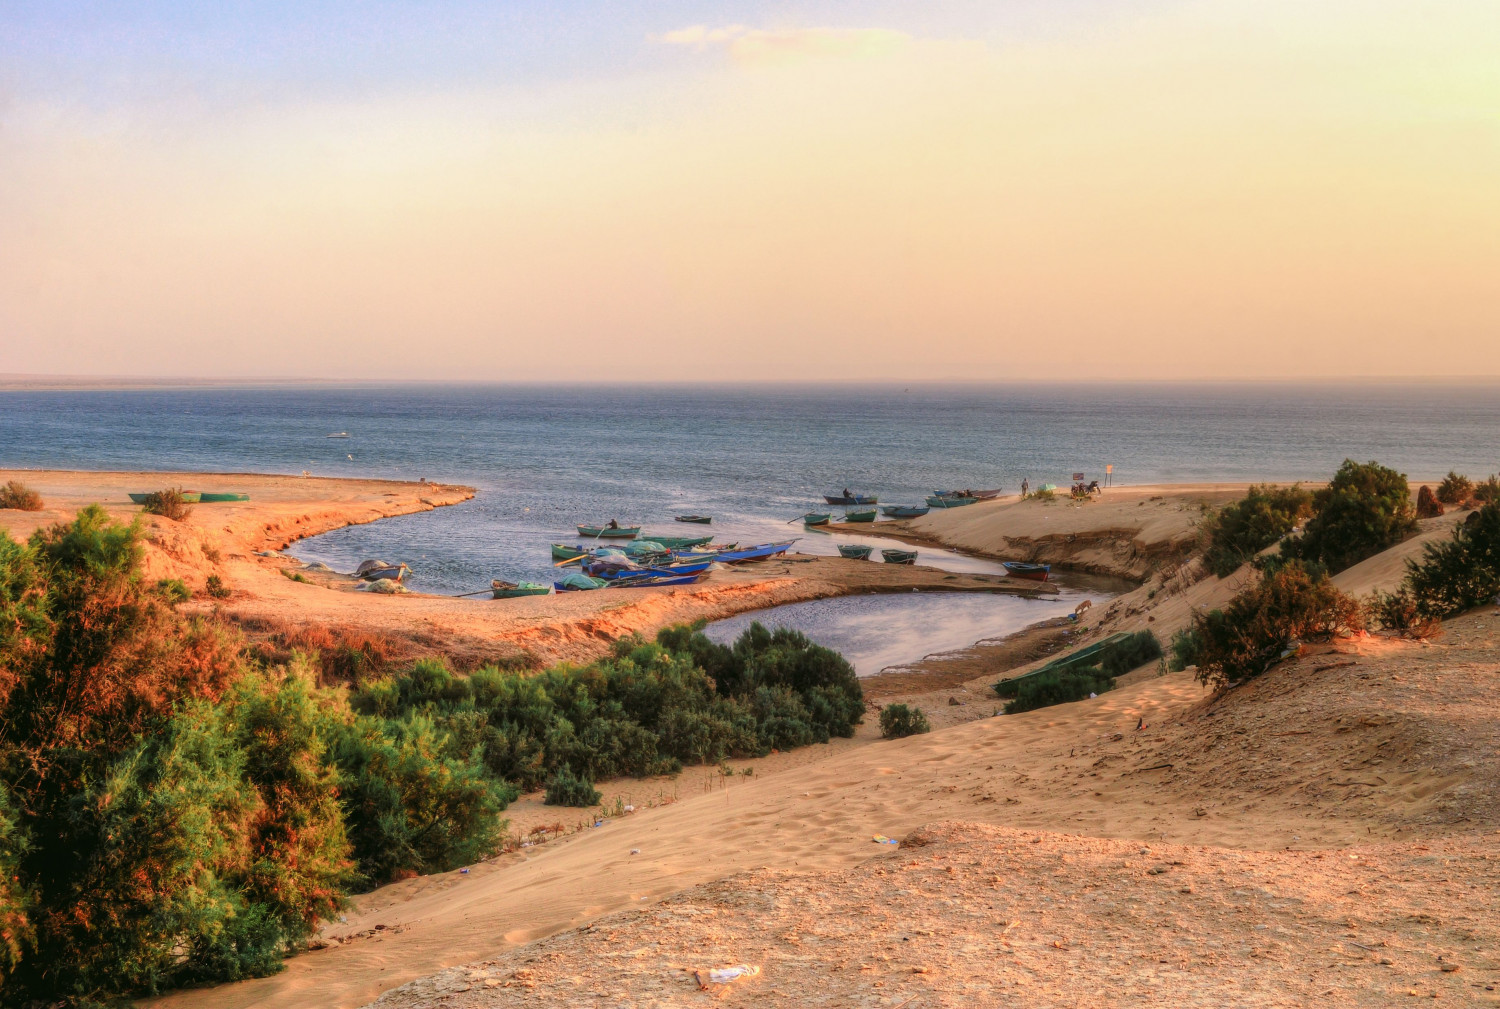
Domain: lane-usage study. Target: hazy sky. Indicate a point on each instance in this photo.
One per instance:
(1007, 189)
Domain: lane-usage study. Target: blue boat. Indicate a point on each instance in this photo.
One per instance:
(1025, 569)
(903, 511)
(755, 553)
(646, 580)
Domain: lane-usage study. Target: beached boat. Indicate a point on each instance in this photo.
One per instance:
(646, 580)
(702, 520)
(756, 553)
(816, 518)
(188, 497)
(863, 515)
(374, 571)
(578, 582)
(563, 552)
(1025, 569)
(977, 495)
(851, 499)
(904, 511)
(224, 498)
(899, 556)
(513, 590)
(609, 532)
(938, 501)
(681, 542)
(855, 551)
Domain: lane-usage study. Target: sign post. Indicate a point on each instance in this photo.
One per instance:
(1109, 475)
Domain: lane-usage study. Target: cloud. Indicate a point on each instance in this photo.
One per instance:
(760, 46)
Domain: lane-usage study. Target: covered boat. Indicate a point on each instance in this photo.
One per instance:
(1025, 569)
(855, 551)
(578, 582)
(863, 515)
(904, 511)
(899, 556)
(512, 590)
(682, 542)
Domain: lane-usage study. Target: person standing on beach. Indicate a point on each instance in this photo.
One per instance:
(1025, 486)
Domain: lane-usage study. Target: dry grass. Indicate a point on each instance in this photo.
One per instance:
(19, 497)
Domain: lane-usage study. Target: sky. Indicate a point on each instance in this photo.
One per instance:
(952, 190)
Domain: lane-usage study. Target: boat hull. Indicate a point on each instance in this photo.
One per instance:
(950, 502)
(855, 552)
(899, 556)
(515, 590)
(860, 516)
(855, 499)
(904, 511)
(606, 533)
(1030, 572)
(816, 519)
(756, 553)
(224, 498)
(701, 520)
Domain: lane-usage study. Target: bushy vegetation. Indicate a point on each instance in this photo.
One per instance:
(567, 789)
(1428, 506)
(1048, 688)
(1072, 679)
(1131, 653)
(1487, 490)
(898, 721)
(1456, 574)
(1241, 530)
(173, 810)
(1246, 637)
(215, 587)
(16, 495)
(168, 504)
(1365, 508)
(1400, 611)
(1455, 489)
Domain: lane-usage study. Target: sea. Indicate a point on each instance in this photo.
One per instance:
(545, 458)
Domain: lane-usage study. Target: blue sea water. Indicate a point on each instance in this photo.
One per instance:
(545, 458)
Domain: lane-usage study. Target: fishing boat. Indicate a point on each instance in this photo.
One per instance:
(188, 497)
(863, 515)
(374, 571)
(899, 556)
(1025, 569)
(513, 590)
(756, 553)
(224, 498)
(646, 580)
(609, 532)
(682, 542)
(816, 518)
(855, 551)
(563, 552)
(938, 501)
(851, 499)
(702, 520)
(977, 495)
(903, 511)
(338, 434)
(578, 582)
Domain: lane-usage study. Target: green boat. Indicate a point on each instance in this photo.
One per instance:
(899, 556)
(816, 518)
(513, 590)
(682, 542)
(224, 498)
(701, 520)
(860, 516)
(943, 501)
(188, 497)
(609, 532)
(855, 551)
(563, 552)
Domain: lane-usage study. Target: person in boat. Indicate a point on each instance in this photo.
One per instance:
(613, 524)
(846, 492)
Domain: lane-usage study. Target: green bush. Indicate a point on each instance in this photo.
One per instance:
(568, 789)
(215, 587)
(1245, 638)
(1044, 689)
(1487, 490)
(898, 721)
(1363, 510)
(173, 590)
(20, 497)
(1455, 489)
(168, 504)
(1459, 573)
(1131, 653)
(1401, 612)
(1242, 529)
(1184, 651)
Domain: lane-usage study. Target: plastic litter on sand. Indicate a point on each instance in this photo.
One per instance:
(882, 839)
(724, 975)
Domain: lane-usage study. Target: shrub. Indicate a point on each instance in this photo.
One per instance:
(1487, 490)
(1044, 689)
(1363, 510)
(215, 587)
(1399, 611)
(1043, 495)
(168, 504)
(1185, 648)
(1455, 489)
(1245, 638)
(1459, 573)
(173, 590)
(568, 789)
(1428, 506)
(18, 496)
(1242, 529)
(898, 721)
(1131, 653)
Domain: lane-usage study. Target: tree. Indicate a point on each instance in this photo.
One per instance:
(1363, 510)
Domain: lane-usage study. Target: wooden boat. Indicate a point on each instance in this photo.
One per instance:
(609, 532)
(563, 552)
(938, 501)
(188, 497)
(646, 580)
(702, 520)
(579, 582)
(756, 553)
(899, 556)
(816, 518)
(855, 551)
(681, 542)
(224, 498)
(374, 571)
(337, 434)
(513, 590)
(851, 499)
(864, 515)
(977, 495)
(904, 511)
(1025, 569)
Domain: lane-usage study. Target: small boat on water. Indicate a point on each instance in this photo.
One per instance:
(702, 520)
(224, 498)
(1025, 569)
(513, 590)
(816, 518)
(939, 501)
(614, 532)
(188, 497)
(904, 511)
(899, 556)
(375, 570)
(682, 542)
(851, 499)
(338, 434)
(863, 515)
(855, 551)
